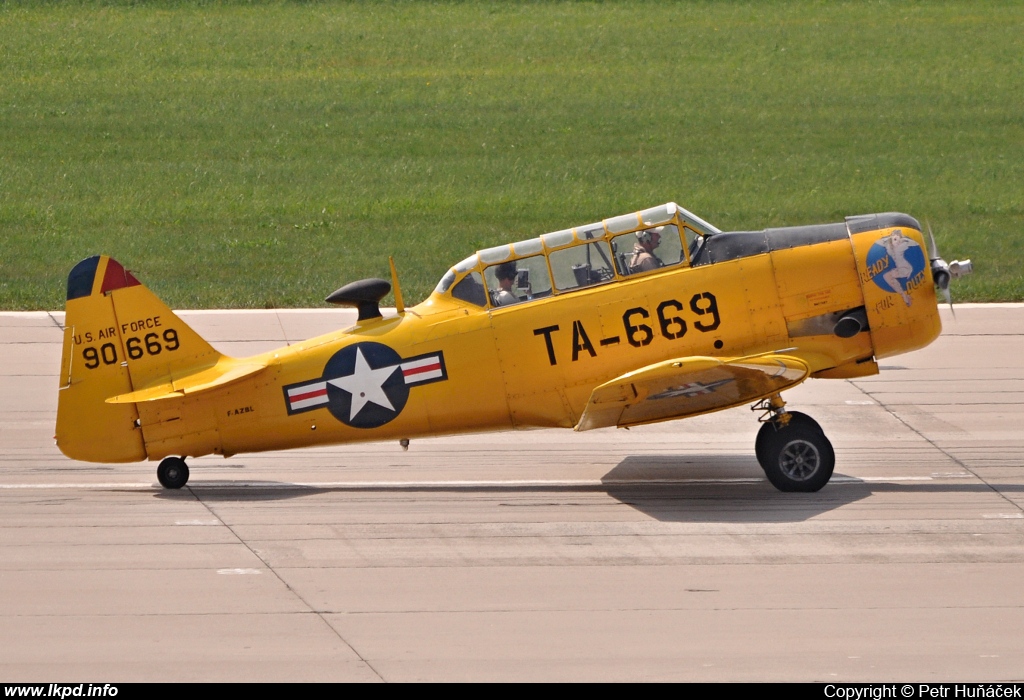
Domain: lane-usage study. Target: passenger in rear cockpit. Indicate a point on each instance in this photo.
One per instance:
(643, 258)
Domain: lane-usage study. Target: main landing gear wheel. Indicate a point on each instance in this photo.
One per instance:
(796, 456)
(172, 473)
(769, 428)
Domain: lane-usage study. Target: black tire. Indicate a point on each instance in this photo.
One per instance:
(763, 436)
(798, 457)
(172, 473)
(771, 427)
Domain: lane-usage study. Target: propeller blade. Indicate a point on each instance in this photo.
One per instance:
(949, 300)
(931, 236)
(940, 270)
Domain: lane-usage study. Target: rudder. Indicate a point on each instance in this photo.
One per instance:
(119, 337)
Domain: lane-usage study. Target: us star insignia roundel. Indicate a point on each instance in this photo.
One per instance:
(692, 389)
(365, 385)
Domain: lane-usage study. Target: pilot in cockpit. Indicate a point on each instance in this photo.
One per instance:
(643, 258)
(506, 275)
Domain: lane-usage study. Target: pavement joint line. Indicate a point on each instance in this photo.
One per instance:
(1013, 505)
(464, 484)
(288, 587)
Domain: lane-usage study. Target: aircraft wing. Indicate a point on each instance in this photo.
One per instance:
(687, 387)
(224, 372)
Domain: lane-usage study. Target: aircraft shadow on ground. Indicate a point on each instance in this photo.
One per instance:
(690, 488)
(244, 491)
(716, 488)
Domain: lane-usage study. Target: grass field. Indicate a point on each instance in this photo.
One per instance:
(261, 155)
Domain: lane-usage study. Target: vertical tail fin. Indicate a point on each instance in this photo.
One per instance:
(119, 337)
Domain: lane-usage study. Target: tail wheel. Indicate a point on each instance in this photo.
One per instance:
(797, 456)
(172, 473)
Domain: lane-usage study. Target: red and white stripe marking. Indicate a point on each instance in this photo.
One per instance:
(422, 370)
(308, 395)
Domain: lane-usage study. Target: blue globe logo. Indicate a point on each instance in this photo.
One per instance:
(896, 263)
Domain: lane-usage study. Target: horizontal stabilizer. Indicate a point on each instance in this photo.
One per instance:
(224, 372)
(687, 387)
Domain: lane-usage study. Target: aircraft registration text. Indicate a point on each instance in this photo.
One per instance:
(639, 326)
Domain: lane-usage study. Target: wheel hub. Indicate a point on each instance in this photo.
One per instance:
(799, 460)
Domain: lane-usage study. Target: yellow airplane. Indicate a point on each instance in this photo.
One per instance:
(646, 317)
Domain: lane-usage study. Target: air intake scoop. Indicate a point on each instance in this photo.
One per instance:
(365, 295)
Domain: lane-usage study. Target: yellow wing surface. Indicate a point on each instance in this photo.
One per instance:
(689, 386)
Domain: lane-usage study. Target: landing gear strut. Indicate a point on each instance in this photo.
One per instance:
(172, 473)
(792, 449)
